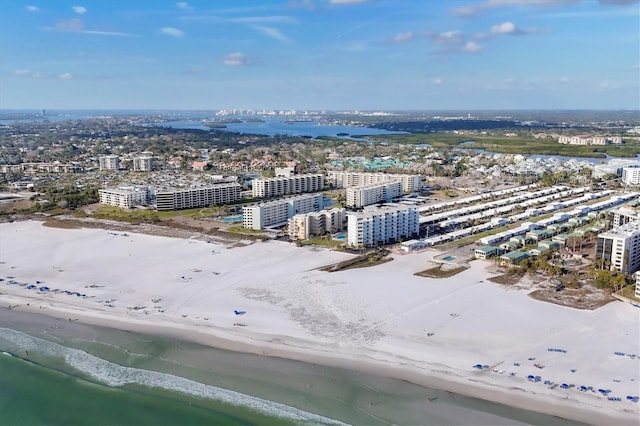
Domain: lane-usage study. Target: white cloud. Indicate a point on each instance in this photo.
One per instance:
(448, 37)
(472, 10)
(80, 10)
(32, 8)
(437, 81)
(274, 33)
(402, 37)
(608, 85)
(27, 73)
(77, 26)
(173, 32)
(472, 47)
(505, 28)
(184, 6)
(235, 59)
(65, 76)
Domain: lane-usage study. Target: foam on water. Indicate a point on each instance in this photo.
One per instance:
(115, 375)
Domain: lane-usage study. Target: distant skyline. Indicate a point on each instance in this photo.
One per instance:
(320, 54)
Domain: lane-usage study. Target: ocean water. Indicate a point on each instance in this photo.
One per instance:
(53, 371)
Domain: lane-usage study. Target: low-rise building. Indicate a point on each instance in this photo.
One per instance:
(513, 257)
(485, 252)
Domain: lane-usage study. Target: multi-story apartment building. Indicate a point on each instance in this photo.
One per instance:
(384, 225)
(339, 179)
(284, 185)
(624, 215)
(304, 226)
(365, 195)
(218, 194)
(126, 197)
(620, 247)
(631, 175)
(142, 164)
(109, 162)
(637, 292)
(589, 140)
(277, 212)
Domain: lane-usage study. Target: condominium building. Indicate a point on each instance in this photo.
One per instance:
(384, 225)
(620, 247)
(624, 215)
(589, 140)
(631, 175)
(178, 199)
(142, 164)
(127, 197)
(364, 195)
(109, 162)
(277, 213)
(284, 185)
(637, 292)
(304, 226)
(339, 179)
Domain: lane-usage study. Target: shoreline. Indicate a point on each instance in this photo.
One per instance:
(373, 356)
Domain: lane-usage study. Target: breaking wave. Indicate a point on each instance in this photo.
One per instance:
(115, 375)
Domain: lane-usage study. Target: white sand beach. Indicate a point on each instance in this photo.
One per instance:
(381, 319)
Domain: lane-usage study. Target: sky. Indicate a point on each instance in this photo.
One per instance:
(363, 55)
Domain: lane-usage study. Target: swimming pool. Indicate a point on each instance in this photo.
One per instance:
(449, 258)
(341, 236)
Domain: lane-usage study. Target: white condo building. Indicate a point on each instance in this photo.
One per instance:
(631, 175)
(624, 215)
(142, 164)
(126, 197)
(277, 212)
(177, 199)
(410, 183)
(365, 195)
(304, 226)
(384, 225)
(621, 247)
(109, 162)
(284, 185)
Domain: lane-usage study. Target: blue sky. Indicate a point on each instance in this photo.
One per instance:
(320, 54)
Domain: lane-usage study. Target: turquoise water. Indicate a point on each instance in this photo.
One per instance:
(449, 258)
(34, 394)
(63, 372)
